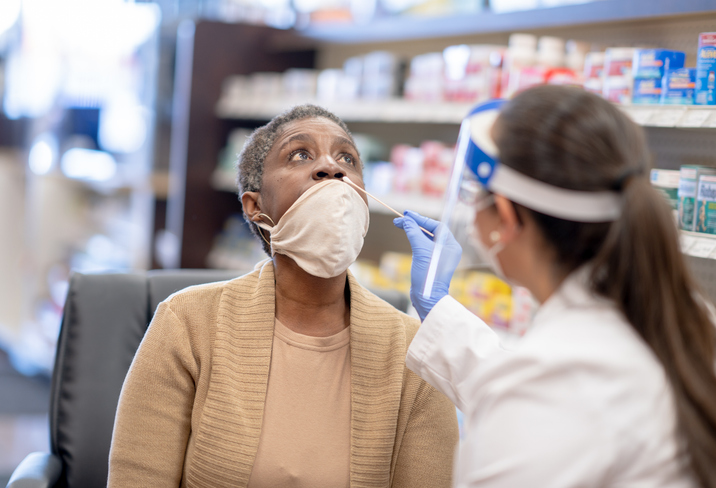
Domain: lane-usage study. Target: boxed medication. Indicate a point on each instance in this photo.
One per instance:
(618, 61)
(618, 89)
(651, 63)
(666, 181)
(649, 66)
(706, 69)
(688, 179)
(678, 87)
(618, 74)
(647, 91)
(593, 70)
(706, 205)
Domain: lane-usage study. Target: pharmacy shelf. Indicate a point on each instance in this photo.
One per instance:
(487, 22)
(406, 111)
(683, 116)
(698, 245)
(393, 110)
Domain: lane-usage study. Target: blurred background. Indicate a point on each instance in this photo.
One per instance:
(120, 124)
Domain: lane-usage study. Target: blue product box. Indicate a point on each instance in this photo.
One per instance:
(706, 69)
(678, 86)
(651, 63)
(646, 91)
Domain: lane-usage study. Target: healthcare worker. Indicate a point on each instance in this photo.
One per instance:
(613, 384)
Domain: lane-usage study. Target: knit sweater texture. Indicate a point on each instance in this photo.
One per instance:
(191, 408)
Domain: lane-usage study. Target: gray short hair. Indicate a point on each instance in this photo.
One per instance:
(250, 163)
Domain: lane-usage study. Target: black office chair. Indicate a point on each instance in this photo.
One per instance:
(105, 318)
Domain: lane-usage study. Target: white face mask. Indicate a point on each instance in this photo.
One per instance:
(323, 230)
(488, 255)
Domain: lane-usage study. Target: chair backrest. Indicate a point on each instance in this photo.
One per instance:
(105, 318)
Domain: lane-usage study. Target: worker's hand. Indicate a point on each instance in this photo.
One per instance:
(422, 246)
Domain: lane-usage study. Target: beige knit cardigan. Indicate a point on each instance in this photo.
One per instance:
(191, 407)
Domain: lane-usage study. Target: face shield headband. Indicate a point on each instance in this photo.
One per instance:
(481, 158)
(477, 168)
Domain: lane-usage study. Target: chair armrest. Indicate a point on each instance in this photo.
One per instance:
(37, 470)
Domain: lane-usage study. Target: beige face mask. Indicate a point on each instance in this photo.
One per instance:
(323, 230)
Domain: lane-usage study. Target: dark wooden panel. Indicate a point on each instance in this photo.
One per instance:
(220, 50)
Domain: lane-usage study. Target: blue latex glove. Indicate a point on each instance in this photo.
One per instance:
(422, 245)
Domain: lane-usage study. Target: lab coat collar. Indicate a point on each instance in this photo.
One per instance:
(575, 292)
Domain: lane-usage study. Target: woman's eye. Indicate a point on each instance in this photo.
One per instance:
(299, 156)
(347, 158)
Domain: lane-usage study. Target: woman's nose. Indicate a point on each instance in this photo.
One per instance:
(326, 168)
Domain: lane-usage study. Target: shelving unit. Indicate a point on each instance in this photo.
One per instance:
(596, 12)
(406, 111)
(390, 111)
(678, 135)
(698, 245)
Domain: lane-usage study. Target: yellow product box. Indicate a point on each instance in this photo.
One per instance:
(484, 296)
(500, 312)
(457, 287)
(395, 267)
(368, 275)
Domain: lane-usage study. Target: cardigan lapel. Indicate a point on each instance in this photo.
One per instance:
(227, 440)
(377, 366)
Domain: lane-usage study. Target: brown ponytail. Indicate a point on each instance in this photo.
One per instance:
(578, 141)
(645, 273)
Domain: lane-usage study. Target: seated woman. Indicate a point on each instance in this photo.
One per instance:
(293, 375)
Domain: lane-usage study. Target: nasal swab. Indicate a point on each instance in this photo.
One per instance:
(347, 180)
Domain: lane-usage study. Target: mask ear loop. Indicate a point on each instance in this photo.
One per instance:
(261, 230)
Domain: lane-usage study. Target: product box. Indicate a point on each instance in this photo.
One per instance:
(618, 89)
(593, 65)
(688, 179)
(706, 70)
(652, 63)
(667, 182)
(706, 205)
(485, 295)
(648, 70)
(437, 163)
(619, 61)
(678, 87)
(618, 82)
(395, 267)
(647, 91)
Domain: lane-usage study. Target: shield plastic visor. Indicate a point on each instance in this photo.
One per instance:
(477, 173)
(462, 195)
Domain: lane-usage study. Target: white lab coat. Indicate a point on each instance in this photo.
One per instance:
(580, 400)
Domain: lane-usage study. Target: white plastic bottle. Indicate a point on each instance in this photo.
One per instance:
(521, 54)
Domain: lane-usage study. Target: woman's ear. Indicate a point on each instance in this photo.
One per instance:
(510, 224)
(250, 200)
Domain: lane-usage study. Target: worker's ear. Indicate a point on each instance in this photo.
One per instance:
(510, 225)
(251, 201)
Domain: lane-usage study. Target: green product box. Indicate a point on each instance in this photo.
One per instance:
(706, 205)
(688, 179)
(667, 182)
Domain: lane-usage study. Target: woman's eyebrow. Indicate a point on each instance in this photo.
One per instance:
(298, 137)
(344, 141)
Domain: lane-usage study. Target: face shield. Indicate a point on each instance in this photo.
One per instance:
(477, 174)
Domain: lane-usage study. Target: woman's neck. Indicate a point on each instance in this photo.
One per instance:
(307, 304)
